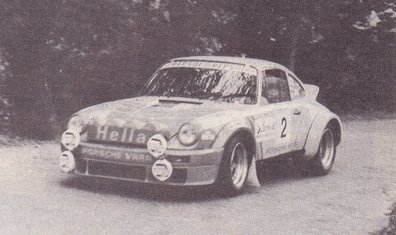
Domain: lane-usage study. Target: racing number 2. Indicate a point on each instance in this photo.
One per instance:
(284, 124)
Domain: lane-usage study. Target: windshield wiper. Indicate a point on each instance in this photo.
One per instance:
(205, 95)
(239, 95)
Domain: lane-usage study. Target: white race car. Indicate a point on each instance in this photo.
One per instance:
(203, 120)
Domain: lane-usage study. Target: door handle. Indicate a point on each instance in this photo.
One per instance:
(297, 111)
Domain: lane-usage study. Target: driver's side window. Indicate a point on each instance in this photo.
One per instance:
(275, 87)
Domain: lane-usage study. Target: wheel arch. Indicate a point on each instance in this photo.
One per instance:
(245, 133)
(319, 124)
(225, 179)
(248, 140)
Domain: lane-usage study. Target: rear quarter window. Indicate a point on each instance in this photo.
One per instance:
(296, 90)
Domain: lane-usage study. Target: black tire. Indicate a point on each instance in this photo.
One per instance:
(323, 161)
(234, 167)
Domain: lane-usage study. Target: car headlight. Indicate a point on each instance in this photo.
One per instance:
(188, 134)
(75, 123)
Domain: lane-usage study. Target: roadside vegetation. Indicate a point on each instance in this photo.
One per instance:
(391, 228)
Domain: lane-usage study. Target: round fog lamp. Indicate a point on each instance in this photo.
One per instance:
(157, 145)
(162, 169)
(67, 162)
(70, 139)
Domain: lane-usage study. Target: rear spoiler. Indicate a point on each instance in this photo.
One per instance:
(312, 91)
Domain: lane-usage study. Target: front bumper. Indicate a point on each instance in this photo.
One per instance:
(190, 167)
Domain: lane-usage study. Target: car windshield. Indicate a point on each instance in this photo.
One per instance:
(221, 84)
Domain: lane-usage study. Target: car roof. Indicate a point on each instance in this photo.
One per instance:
(258, 63)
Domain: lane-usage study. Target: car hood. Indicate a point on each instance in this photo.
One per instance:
(151, 115)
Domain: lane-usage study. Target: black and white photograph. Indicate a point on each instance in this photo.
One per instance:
(198, 117)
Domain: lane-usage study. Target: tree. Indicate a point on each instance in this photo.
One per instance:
(58, 56)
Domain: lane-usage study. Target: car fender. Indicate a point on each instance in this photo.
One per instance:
(229, 130)
(316, 130)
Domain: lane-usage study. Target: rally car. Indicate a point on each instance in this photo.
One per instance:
(203, 120)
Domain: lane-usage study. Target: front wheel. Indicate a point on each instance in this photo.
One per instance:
(324, 159)
(234, 167)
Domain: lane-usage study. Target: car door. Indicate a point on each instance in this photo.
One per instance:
(301, 116)
(274, 122)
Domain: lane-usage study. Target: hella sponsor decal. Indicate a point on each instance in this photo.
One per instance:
(113, 154)
(119, 134)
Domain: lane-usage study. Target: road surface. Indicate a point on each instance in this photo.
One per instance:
(36, 198)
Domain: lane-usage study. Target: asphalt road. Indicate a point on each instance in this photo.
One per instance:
(36, 198)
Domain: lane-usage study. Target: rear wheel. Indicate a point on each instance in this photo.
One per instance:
(324, 159)
(234, 167)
